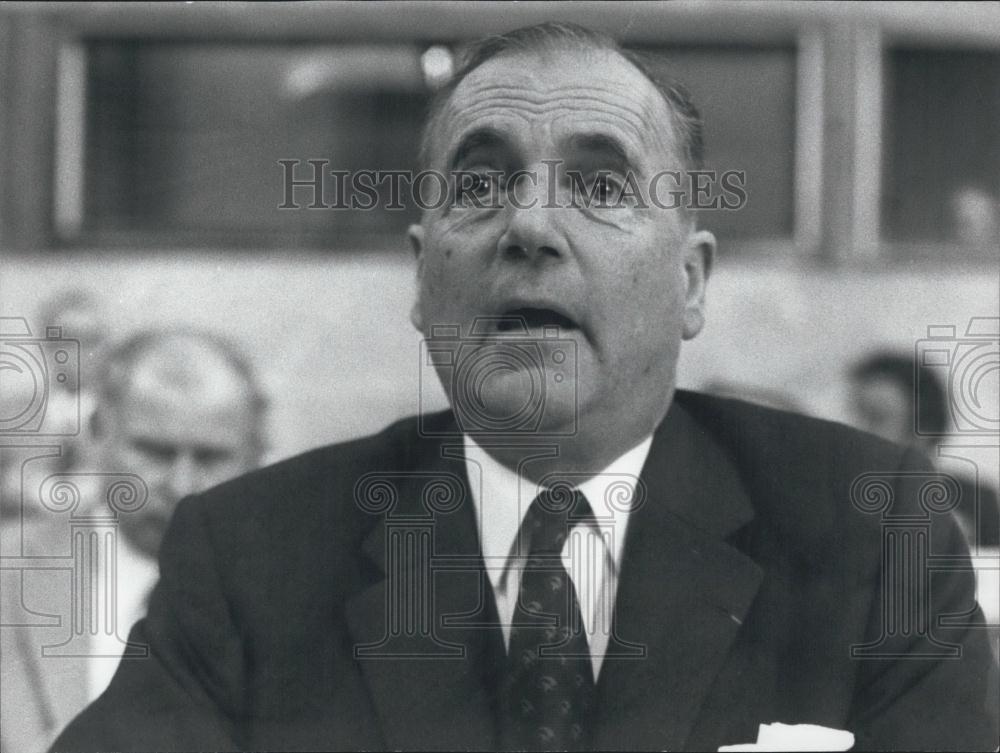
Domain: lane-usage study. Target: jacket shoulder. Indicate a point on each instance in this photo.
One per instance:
(784, 441)
(297, 497)
(816, 485)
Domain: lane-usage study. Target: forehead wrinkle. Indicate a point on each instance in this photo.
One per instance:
(532, 100)
(573, 103)
(566, 122)
(559, 110)
(533, 96)
(637, 109)
(645, 96)
(638, 121)
(534, 87)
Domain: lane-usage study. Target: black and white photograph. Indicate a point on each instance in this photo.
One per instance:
(508, 376)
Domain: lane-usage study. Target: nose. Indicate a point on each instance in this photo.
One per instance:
(534, 231)
(183, 477)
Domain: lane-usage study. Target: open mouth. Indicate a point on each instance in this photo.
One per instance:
(519, 319)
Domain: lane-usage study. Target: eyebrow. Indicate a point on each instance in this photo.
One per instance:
(481, 138)
(605, 146)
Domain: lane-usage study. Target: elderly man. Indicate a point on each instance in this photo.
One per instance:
(181, 410)
(577, 555)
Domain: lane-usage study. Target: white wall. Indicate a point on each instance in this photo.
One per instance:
(331, 337)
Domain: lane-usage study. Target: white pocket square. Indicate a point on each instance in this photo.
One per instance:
(806, 737)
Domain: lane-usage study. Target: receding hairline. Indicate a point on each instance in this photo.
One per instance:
(683, 121)
(651, 104)
(125, 360)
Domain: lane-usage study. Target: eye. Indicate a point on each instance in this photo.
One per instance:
(480, 187)
(206, 456)
(605, 188)
(483, 184)
(154, 451)
(598, 189)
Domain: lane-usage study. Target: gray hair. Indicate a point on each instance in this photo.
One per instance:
(120, 361)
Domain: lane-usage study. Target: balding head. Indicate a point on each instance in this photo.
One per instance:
(683, 125)
(184, 363)
(181, 409)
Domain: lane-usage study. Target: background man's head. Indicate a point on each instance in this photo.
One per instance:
(625, 282)
(886, 402)
(182, 410)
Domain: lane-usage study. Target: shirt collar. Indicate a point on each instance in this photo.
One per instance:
(502, 497)
(137, 572)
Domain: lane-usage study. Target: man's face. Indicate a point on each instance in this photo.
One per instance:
(178, 444)
(625, 283)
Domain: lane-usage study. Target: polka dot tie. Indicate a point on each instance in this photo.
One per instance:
(549, 682)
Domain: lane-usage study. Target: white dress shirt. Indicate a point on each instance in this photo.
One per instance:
(592, 553)
(135, 577)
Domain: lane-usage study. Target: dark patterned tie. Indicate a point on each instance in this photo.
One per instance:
(549, 683)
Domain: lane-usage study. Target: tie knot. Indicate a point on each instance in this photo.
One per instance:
(551, 517)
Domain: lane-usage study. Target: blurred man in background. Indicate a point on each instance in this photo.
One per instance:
(182, 410)
(885, 400)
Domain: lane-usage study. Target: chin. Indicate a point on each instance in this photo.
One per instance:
(517, 406)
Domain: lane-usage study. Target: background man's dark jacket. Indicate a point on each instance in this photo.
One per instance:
(747, 578)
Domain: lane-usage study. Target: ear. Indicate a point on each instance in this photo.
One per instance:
(415, 234)
(698, 258)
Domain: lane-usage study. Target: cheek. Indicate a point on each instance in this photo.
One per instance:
(644, 287)
(452, 274)
(432, 283)
(214, 473)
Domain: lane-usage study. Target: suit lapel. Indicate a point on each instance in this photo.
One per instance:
(682, 596)
(431, 673)
(683, 591)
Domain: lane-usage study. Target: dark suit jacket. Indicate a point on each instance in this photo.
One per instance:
(288, 612)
